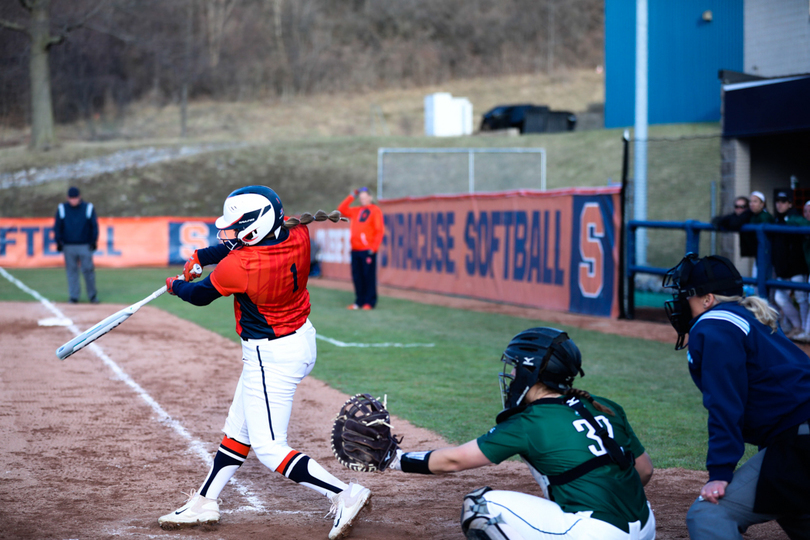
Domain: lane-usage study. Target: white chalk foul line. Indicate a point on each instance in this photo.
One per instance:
(194, 444)
(337, 343)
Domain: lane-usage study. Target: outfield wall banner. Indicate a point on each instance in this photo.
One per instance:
(123, 242)
(556, 249)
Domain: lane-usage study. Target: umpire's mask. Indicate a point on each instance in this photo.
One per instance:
(694, 276)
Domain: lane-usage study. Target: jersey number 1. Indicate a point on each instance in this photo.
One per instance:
(294, 271)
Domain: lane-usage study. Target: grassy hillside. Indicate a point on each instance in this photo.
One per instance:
(312, 150)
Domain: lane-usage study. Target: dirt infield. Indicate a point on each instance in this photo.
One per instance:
(87, 453)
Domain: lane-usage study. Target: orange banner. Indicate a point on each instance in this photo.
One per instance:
(556, 249)
(123, 242)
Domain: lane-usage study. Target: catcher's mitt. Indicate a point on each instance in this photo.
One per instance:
(361, 435)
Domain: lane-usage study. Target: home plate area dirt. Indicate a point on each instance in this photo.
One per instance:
(87, 455)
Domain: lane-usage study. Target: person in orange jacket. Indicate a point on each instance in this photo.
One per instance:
(367, 230)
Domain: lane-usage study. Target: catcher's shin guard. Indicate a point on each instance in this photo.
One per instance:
(478, 523)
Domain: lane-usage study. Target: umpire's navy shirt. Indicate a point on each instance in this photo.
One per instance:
(755, 383)
(76, 224)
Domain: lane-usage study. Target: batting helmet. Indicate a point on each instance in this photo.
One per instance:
(252, 212)
(535, 355)
(694, 276)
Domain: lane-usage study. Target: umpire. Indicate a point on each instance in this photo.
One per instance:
(76, 234)
(756, 387)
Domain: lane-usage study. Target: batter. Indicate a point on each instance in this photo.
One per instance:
(263, 262)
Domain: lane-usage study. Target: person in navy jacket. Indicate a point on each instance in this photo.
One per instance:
(756, 388)
(75, 231)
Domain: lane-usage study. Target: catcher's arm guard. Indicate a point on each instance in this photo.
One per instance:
(361, 435)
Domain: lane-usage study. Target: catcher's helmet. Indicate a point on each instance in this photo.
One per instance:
(252, 212)
(542, 354)
(694, 276)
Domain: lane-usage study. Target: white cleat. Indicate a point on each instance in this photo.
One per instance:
(198, 510)
(346, 505)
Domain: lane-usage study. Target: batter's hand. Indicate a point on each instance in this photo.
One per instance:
(192, 269)
(169, 282)
(714, 491)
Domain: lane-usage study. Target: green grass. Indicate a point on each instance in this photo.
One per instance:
(450, 388)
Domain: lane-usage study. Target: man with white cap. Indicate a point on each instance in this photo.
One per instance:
(759, 215)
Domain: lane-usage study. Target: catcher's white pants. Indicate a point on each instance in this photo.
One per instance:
(260, 412)
(535, 518)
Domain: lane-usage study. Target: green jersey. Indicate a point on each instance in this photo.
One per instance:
(553, 438)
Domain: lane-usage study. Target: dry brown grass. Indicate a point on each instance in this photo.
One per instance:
(324, 115)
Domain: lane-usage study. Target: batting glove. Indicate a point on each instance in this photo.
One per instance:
(355, 193)
(169, 282)
(192, 269)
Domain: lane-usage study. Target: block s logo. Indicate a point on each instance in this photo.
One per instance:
(591, 275)
(193, 235)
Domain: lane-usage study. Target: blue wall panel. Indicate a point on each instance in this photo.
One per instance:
(620, 62)
(685, 56)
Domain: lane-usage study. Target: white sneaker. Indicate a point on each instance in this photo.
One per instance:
(197, 511)
(346, 505)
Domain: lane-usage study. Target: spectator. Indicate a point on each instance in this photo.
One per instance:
(367, 231)
(76, 233)
(758, 215)
(787, 255)
(735, 220)
(805, 335)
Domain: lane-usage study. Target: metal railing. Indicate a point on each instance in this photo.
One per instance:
(692, 228)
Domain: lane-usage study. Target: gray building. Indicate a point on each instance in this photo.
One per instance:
(766, 109)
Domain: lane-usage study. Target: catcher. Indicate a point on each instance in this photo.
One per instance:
(583, 453)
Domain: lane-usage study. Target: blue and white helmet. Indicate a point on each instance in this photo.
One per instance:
(252, 212)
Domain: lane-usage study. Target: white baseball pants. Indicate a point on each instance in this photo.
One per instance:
(535, 518)
(260, 412)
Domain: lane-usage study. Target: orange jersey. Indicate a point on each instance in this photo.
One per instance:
(367, 228)
(269, 284)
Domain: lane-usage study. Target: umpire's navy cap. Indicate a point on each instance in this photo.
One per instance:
(714, 274)
(73, 192)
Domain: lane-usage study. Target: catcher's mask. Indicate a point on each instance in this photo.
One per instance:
(544, 355)
(249, 214)
(694, 276)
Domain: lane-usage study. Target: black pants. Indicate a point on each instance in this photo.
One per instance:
(364, 275)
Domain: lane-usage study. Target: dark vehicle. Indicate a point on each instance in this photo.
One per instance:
(528, 119)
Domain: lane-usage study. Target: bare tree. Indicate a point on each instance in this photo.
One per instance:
(246, 49)
(38, 30)
(216, 14)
